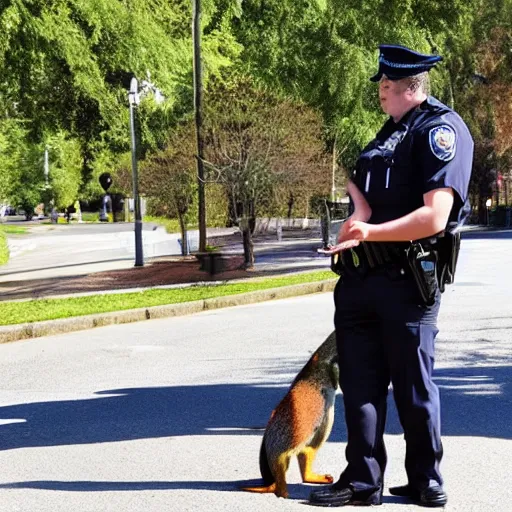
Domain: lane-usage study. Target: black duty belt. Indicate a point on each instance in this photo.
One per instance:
(431, 262)
(370, 255)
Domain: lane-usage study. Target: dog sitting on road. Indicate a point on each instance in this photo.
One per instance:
(301, 422)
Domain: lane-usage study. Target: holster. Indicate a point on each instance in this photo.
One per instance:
(423, 264)
(433, 262)
(448, 247)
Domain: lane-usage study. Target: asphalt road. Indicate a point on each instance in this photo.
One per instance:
(167, 414)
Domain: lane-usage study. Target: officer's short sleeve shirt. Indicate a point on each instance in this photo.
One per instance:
(430, 148)
(444, 153)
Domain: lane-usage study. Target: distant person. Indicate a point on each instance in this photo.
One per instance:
(410, 183)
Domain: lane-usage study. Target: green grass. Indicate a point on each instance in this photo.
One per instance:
(90, 217)
(4, 249)
(50, 309)
(171, 225)
(15, 230)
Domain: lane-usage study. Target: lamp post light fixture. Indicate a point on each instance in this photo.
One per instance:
(134, 97)
(488, 206)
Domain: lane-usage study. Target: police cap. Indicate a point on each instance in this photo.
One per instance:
(398, 62)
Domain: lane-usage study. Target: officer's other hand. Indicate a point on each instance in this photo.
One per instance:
(351, 233)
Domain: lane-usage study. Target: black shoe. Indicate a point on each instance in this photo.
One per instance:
(405, 491)
(432, 496)
(337, 497)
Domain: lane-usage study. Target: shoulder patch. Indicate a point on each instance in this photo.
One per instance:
(443, 142)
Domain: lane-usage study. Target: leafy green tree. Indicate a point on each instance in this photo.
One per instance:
(65, 164)
(4, 248)
(255, 150)
(168, 177)
(67, 64)
(21, 165)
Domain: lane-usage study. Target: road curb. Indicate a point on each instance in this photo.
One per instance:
(27, 331)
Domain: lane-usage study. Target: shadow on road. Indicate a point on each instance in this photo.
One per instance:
(476, 401)
(299, 492)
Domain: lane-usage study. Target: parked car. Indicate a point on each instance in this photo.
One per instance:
(6, 209)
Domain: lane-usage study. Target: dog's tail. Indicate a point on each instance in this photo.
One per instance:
(269, 482)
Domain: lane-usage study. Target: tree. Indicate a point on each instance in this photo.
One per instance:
(21, 163)
(324, 51)
(66, 66)
(65, 164)
(169, 178)
(480, 71)
(23, 181)
(257, 143)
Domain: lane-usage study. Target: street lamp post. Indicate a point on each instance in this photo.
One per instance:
(133, 99)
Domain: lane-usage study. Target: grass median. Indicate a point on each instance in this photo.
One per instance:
(4, 249)
(14, 230)
(12, 313)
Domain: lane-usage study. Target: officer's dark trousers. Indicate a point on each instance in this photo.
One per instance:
(383, 336)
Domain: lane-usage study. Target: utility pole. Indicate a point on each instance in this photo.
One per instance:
(198, 96)
(334, 165)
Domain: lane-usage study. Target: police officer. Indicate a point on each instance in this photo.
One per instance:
(395, 253)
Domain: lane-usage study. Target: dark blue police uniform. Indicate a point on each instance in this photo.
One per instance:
(385, 332)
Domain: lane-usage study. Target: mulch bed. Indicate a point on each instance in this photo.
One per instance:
(168, 271)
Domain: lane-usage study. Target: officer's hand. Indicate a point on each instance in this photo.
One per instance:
(353, 229)
(342, 233)
(350, 234)
(357, 230)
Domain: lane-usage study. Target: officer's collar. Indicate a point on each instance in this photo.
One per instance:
(403, 122)
(430, 103)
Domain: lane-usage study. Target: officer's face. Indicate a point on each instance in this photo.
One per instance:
(395, 97)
